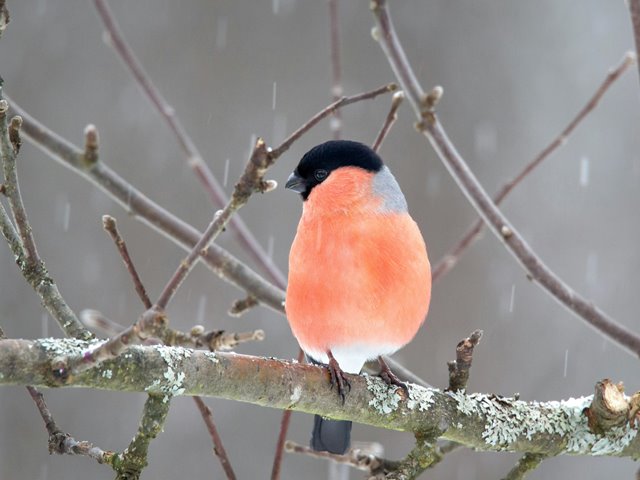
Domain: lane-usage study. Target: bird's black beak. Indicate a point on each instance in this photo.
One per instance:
(295, 183)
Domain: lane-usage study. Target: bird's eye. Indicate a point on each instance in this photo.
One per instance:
(320, 174)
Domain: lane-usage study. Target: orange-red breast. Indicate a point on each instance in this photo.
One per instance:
(359, 276)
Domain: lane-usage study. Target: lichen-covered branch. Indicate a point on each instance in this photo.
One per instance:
(20, 236)
(429, 125)
(526, 464)
(130, 463)
(481, 421)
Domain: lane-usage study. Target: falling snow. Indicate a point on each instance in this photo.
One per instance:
(225, 178)
(273, 96)
(584, 172)
(221, 33)
(202, 310)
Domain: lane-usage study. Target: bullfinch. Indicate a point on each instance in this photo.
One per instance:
(359, 275)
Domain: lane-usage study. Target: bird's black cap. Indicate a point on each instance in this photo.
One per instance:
(318, 163)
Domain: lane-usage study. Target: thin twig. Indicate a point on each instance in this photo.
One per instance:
(392, 116)
(154, 322)
(634, 10)
(328, 110)
(62, 443)
(110, 226)
(218, 448)
(219, 260)
(251, 181)
(29, 262)
(193, 157)
(336, 70)
(527, 463)
(449, 260)
(354, 458)
(282, 435)
(432, 129)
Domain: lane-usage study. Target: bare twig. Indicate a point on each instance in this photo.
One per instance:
(459, 368)
(355, 458)
(110, 226)
(282, 435)
(214, 340)
(432, 129)
(527, 463)
(392, 116)
(62, 443)
(154, 322)
(29, 262)
(194, 158)
(328, 110)
(336, 70)
(449, 260)
(219, 261)
(251, 181)
(634, 10)
(12, 187)
(240, 307)
(218, 447)
(97, 321)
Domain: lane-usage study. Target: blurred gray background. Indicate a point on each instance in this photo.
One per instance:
(514, 73)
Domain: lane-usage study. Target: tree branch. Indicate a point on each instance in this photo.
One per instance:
(449, 260)
(527, 463)
(219, 261)
(193, 157)
(484, 422)
(634, 10)
(429, 125)
(27, 258)
(62, 443)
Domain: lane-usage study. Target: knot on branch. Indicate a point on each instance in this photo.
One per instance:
(57, 442)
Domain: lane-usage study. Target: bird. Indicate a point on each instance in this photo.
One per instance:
(359, 280)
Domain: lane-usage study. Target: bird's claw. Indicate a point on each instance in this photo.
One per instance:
(390, 378)
(338, 379)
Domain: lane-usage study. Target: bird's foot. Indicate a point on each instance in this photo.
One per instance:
(337, 377)
(390, 378)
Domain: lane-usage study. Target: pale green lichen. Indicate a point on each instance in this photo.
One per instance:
(67, 347)
(385, 400)
(173, 383)
(296, 394)
(211, 356)
(420, 397)
(508, 419)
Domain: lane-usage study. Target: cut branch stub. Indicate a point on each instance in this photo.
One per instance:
(609, 408)
(459, 368)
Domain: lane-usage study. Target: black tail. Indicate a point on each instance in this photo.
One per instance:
(332, 436)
